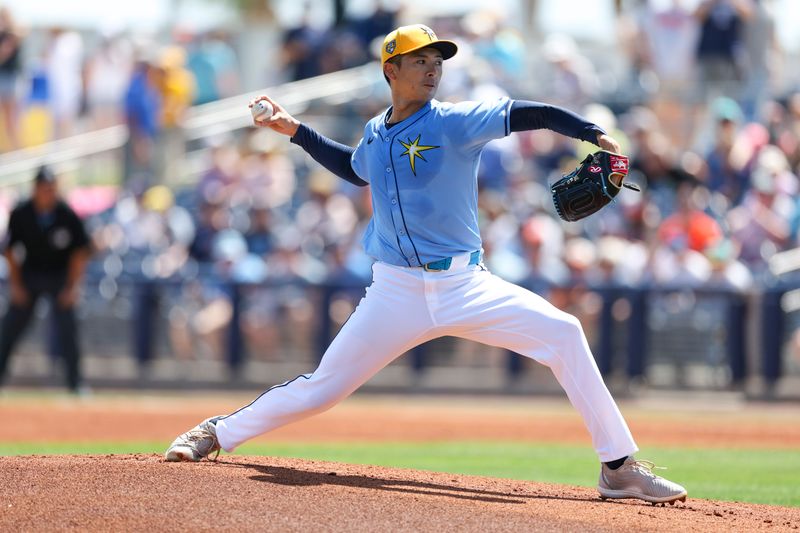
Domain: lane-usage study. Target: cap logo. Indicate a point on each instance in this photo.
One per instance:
(428, 32)
(390, 46)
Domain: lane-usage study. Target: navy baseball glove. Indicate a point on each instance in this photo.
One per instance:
(588, 188)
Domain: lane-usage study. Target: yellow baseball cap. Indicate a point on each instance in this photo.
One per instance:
(406, 39)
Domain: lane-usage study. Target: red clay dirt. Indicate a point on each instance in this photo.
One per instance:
(368, 419)
(239, 493)
(143, 493)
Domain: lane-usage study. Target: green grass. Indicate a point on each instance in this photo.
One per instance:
(757, 476)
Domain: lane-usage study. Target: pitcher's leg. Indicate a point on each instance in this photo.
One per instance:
(383, 327)
(511, 317)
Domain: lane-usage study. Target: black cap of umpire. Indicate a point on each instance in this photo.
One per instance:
(44, 175)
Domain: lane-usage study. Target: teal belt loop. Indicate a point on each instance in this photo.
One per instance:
(444, 264)
(438, 266)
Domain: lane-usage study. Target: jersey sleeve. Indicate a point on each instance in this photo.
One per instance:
(359, 158)
(526, 115)
(473, 124)
(335, 157)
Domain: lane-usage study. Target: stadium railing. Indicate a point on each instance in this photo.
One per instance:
(202, 121)
(661, 337)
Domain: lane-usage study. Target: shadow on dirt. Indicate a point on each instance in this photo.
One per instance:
(303, 478)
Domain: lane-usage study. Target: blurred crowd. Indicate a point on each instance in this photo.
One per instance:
(712, 140)
(58, 82)
(55, 82)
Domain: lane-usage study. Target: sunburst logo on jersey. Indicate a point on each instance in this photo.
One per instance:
(414, 150)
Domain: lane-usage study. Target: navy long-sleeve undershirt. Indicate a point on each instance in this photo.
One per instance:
(332, 155)
(524, 116)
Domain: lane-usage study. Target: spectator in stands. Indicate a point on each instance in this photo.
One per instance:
(108, 70)
(674, 264)
(653, 156)
(46, 250)
(341, 49)
(10, 69)
(721, 23)
(493, 40)
(571, 76)
(789, 133)
(726, 175)
(35, 124)
(761, 224)
(376, 25)
(225, 61)
(259, 235)
(64, 67)
(201, 66)
(664, 48)
(726, 269)
(143, 117)
(207, 225)
(689, 227)
(543, 246)
(177, 92)
(760, 49)
(267, 173)
(205, 308)
(301, 45)
(214, 65)
(222, 179)
(621, 261)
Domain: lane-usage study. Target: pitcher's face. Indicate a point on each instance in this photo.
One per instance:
(418, 75)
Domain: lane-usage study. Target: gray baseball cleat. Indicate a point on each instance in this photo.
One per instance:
(200, 441)
(635, 479)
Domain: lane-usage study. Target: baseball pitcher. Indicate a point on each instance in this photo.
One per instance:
(420, 159)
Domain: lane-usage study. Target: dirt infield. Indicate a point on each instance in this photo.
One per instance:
(370, 419)
(143, 493)
(140, 492)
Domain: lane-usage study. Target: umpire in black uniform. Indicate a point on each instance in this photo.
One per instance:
(47, 249)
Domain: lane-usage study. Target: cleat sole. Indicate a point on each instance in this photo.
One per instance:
(621, 495)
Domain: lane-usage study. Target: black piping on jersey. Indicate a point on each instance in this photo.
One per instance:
(304, 376)
(396, 238)
(397, 189)
(400, 246)
(403, 218)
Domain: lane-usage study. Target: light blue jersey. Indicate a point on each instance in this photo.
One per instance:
(423, 173)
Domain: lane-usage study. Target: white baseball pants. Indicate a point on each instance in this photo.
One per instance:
(404, 307)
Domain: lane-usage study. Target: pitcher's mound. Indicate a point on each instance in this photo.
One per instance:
(142, 492)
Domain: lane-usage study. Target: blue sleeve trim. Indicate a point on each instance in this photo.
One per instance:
(332, 155)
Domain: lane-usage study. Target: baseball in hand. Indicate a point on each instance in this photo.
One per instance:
(261, 110)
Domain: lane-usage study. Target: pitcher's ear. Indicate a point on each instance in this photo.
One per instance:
(389, 71)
